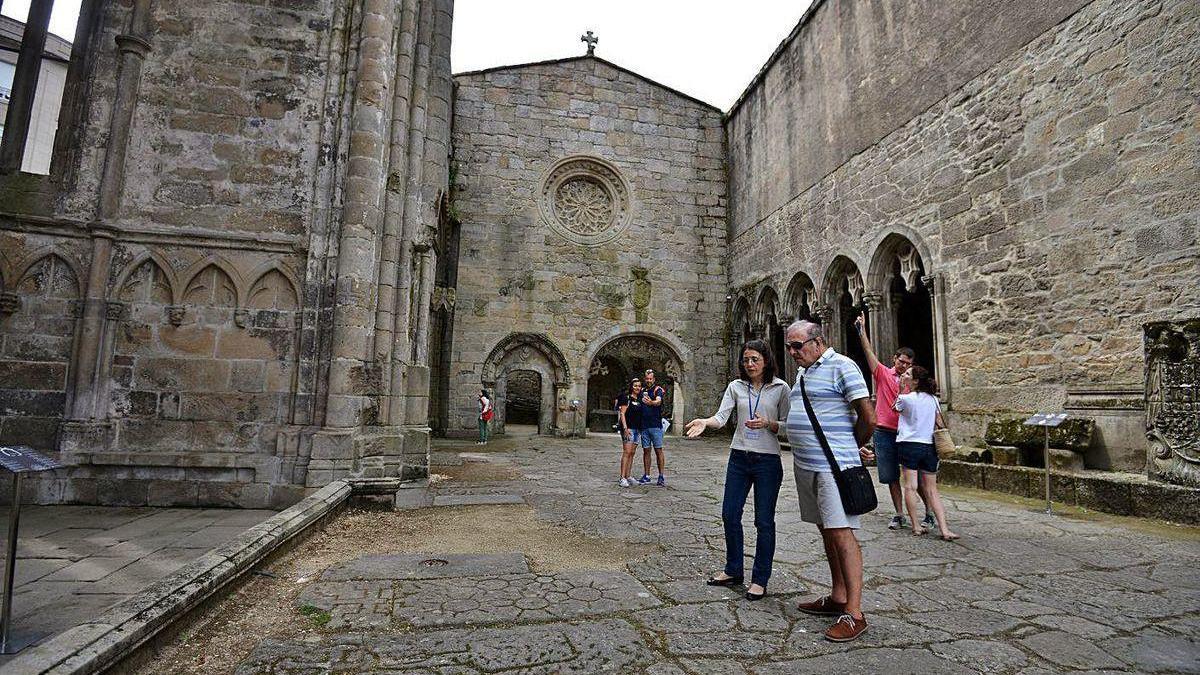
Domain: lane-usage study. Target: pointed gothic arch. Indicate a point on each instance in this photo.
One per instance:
(904, 305)
(842, 291)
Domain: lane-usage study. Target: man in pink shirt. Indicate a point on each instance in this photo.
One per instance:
(887, 387)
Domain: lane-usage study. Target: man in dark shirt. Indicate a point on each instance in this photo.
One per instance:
(652, 431)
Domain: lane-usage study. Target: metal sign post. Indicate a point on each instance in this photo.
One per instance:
(1046, 421)
(19, 459)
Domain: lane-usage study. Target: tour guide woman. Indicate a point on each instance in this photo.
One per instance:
(761, 400)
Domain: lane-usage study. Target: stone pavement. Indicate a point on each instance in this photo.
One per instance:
(1022, 592)
(74, 561)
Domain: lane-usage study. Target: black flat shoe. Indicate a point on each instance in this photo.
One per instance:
(755, 596)
(727, 583)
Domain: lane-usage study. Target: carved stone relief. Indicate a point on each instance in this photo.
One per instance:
(1173, 400)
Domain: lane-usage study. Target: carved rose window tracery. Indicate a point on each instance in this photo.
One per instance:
(583, 205)
(586, 200)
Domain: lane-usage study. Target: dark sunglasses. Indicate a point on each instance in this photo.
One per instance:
(797, 346)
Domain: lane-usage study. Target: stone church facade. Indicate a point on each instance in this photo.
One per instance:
(592, 209)
(281, 243)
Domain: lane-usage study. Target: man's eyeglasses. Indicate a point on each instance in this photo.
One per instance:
(797, 346)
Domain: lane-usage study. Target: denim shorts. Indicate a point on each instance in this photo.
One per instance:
(917, 456)
(887, 462)
(651, 437)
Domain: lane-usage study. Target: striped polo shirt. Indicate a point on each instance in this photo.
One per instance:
(832, 382)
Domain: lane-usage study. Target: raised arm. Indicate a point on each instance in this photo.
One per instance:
(861, 324)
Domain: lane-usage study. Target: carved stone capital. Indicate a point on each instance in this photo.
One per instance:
(175, 314)
(9, 303)
(114, 311)
(241, 317)
(77, 308)
(929, 281)
(873, 301)
(133, 44)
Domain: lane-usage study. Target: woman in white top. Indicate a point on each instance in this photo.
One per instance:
(485, 416)
(920, 414)
(761, 401)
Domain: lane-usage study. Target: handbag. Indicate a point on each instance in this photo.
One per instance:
(855, 486)
(943, 443)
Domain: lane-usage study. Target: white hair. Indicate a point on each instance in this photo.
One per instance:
(810, 330)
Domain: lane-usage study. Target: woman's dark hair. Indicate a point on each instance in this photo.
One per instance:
(483, 392)
(631, 381)
(923, 381)
(768, 360)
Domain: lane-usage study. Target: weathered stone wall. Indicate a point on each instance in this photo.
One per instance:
(190, 299)
(1053, 194)
(517, 274)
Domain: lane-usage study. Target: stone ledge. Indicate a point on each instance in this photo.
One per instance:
(1122, 494)
(102, 642)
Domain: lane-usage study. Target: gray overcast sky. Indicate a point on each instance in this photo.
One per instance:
(62, 17)
(708, 49)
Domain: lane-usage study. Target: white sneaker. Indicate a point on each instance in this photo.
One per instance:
(624, 482)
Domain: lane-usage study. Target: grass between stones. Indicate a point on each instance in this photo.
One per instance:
(264, 607)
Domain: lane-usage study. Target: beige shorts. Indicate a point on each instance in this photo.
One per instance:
(820, 501)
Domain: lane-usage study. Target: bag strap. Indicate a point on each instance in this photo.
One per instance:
(812, 417)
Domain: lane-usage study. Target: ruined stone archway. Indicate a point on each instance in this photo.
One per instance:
(843, 291)
(903, 307)
(624, 356)
(527, 352)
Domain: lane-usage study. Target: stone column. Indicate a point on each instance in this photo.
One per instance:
(414, 181)
(428, 267)
(393, 219)
(936, 285)
(87, 425)
(880, 327)
(362, 216)
(827, 315)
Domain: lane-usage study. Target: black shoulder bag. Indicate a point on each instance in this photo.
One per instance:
(854, 484)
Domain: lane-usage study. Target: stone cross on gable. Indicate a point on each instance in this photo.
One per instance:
(591, 41)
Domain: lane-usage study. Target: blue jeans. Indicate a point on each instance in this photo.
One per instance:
(765, 474)
(887, 459)
(651, 437)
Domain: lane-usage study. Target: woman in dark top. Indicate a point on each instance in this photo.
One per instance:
(629, 410)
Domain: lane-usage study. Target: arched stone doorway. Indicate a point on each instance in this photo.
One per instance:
(800, 303)
(523, 397)
(623, 357)
(843, 290)
(511, 361)
(902, 300)
(769, 322)
(740, 331)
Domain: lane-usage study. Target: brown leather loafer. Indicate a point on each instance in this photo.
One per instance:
(822, 606)
(846, 628)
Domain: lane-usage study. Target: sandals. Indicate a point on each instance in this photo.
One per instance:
(728, 582)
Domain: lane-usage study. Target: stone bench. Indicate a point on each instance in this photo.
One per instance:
(1011, 443)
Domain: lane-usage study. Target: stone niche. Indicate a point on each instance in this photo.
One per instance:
(1173, 400)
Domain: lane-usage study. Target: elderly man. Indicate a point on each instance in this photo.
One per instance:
(834, 387)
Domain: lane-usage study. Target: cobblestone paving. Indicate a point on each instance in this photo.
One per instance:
(1022, 592)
